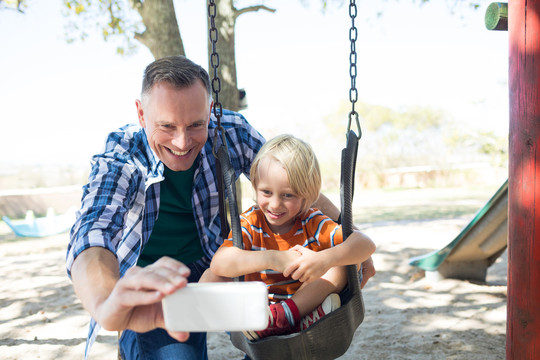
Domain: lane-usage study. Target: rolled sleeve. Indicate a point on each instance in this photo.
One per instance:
(101, 220)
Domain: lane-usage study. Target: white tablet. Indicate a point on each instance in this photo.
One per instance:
(203, 307)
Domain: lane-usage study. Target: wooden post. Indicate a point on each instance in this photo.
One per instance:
(523, 308)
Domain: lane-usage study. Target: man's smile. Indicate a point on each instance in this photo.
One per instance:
(179, 153)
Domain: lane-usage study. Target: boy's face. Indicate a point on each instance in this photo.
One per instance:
(275, 197)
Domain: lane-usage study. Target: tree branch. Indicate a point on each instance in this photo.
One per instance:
(239, 12)
(136, 5)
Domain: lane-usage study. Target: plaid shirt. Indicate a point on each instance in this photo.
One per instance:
(120, 203)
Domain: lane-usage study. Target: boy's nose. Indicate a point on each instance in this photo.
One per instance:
(275, 202)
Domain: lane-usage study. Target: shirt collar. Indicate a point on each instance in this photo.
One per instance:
(155, 166)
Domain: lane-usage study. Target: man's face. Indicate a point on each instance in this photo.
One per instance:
(176, 123)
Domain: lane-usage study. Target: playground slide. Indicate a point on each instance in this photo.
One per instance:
(478, 245)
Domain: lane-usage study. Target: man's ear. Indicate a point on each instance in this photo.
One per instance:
(140, 113)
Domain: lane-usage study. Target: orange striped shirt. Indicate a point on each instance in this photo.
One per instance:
(313, 230)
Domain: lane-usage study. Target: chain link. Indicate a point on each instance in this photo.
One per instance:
(214, 63)
(353, 92)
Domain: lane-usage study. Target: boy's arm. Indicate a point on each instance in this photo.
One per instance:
(329, 209)
(232, 261)
(312, 265)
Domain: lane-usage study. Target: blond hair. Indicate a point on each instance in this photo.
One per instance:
(299, 161)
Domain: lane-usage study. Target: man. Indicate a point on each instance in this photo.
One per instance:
(149, 219)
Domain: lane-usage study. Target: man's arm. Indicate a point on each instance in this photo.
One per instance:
(94, 274)
(131, 302)
(327, 207)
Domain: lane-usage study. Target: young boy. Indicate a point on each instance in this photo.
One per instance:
(283, 239)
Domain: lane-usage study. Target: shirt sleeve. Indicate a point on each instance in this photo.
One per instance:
(253, 141)
(324, 230)
(110, 192)
(228, 242)
(246, 236)
(244, 142)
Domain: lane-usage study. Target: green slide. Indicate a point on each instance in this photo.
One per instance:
(478, 245)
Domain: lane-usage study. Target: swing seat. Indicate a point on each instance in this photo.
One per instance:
(328, 338)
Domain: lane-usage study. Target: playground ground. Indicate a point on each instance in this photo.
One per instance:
(407, 315)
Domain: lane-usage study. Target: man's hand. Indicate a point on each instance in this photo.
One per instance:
(368, 271)
(133, 301)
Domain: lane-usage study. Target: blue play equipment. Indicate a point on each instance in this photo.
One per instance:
(32, 226)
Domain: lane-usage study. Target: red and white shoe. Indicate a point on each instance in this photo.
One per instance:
(277, 325)
(331, 303)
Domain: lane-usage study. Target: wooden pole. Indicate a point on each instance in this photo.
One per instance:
(523, 308)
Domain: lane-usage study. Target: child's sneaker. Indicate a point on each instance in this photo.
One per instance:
(277, 324)
(331, 303)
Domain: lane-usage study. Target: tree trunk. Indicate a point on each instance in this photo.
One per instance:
(225, 22)
(162, 34)
(229, 96)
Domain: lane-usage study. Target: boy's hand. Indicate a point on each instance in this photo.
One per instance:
(308, 267)
(284, 259)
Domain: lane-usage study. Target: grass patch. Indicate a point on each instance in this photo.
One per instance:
(419, 204)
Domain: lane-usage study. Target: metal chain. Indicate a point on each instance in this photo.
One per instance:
(353, 92)
(214, 63)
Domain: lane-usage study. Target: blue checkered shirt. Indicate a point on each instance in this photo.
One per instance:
(120, 203)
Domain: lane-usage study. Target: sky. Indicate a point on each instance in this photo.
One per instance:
(58, 101)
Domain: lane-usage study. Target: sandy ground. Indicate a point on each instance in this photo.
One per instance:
(407, 315)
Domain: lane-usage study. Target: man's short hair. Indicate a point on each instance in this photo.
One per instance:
(178, 71)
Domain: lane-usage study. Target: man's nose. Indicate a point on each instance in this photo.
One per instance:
(181, 140)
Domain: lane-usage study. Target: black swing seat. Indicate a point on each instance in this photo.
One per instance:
(331, 336)
(328, 338)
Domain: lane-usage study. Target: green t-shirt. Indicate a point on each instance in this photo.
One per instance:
(175, 232)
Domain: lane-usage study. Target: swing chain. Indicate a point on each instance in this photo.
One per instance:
(216, 81)
(353, 92)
